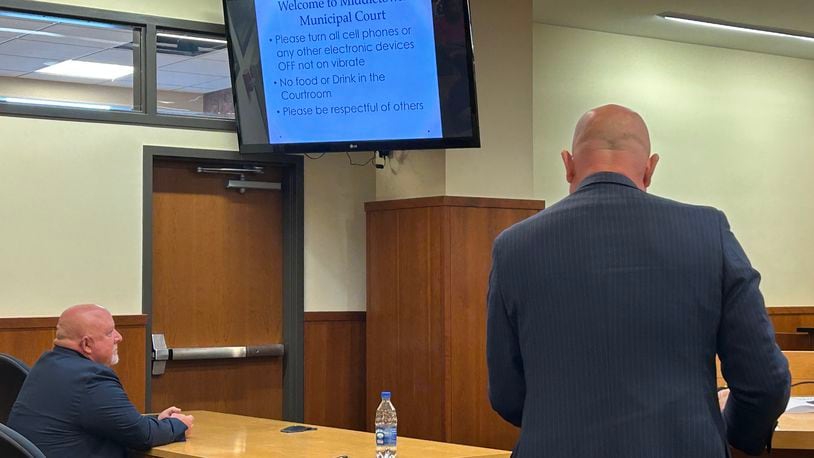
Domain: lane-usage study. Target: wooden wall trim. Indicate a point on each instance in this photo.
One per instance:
(787, 319)
(334, 316)
(455, 201)
(790, 309)
(361, 316)
(51, 321)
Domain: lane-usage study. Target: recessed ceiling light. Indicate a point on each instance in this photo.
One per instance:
(719, 24)
(56, 103)
(30, 32)
(82, 69)
(191, 38)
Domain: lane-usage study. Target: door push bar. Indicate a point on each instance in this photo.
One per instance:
(161, 354)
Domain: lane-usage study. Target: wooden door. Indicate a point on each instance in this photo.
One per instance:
(217, 274)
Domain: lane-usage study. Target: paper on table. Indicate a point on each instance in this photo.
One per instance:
(800, 404)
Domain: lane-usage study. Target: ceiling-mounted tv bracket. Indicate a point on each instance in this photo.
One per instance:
(242, 184)
(381, 157)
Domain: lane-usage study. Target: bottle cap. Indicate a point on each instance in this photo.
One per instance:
(386, 395)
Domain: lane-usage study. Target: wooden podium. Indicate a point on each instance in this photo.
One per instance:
(428, 262)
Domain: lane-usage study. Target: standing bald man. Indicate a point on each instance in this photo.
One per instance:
(607, 309)
(72, 403)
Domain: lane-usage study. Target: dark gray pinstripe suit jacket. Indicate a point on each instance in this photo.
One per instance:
(605, 314)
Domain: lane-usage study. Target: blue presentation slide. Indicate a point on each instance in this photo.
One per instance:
(337, 70)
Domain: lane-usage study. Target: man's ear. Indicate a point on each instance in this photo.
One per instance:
(86, 345)
(650, 169)
(568, 162)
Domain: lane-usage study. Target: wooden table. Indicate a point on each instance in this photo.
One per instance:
(794, 431)
(793, 438)
(220, 435)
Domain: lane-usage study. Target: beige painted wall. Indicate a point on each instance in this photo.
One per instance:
(502, 166)
(72, 214)
(72, 217)
(412, 174)
(734, 130)
(335, 193)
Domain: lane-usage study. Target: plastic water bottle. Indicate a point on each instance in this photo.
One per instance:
(386, 428)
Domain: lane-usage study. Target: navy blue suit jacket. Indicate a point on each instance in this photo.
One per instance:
(70, 406)
(605, 314)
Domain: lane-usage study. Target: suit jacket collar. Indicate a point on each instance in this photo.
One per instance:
(68, 351)
(607, 177)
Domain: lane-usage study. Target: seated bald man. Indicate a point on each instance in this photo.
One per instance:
(606, 311)
(72, 403)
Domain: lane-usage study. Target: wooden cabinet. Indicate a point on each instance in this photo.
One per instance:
(428, 262)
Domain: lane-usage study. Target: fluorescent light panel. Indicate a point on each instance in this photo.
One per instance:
(56, 103)
(191, 38)
(30, 32)
(81, 69)
(61, 20)
(732, 27)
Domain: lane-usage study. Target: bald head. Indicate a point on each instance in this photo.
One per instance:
(611, 128)
(610, 138)
(89, 329)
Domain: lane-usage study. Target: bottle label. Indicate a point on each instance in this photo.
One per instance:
(386, 436)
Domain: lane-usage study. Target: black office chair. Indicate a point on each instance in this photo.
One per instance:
(12, 375)
(14, 445)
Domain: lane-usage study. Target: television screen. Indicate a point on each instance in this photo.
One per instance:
(352, 75)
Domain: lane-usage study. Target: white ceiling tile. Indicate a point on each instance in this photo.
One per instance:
(94, 44)
(182, 79)
(191, 90)
(59, 52)
(22, 24)
(9, 73)
(199, 66)
(118, 83)
(23, 64)
(220, 55)
(113, 36)
(169, 87)
(164, 59)
(111, 56)
(214, 85)
(64, 79)
(5, 36)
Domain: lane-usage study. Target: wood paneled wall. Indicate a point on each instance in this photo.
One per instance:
(789, 318)
(334, 360)
(428, 262)
(28, 338)
(335, 369)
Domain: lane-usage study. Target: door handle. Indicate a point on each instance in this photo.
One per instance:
(161, 353)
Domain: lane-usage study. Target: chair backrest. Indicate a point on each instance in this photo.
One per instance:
(12, 375)
(14, 445)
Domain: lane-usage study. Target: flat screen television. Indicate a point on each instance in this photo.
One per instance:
(352, 75)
